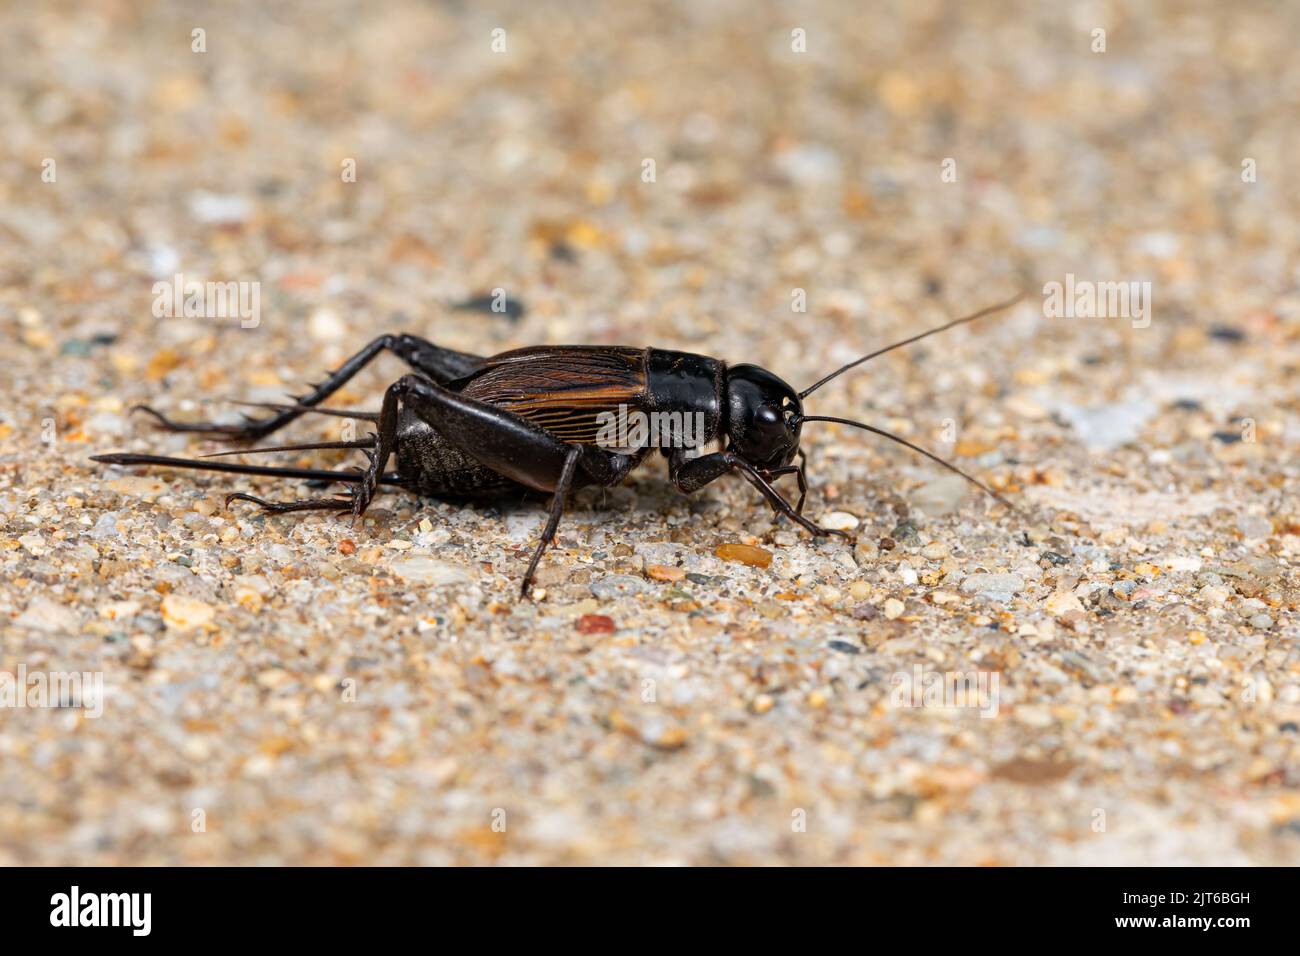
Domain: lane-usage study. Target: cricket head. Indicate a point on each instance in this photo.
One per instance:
(764, 417)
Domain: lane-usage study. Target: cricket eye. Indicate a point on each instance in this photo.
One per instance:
(790, 414)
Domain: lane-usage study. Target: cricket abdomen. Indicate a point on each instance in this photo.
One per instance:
(430, 466)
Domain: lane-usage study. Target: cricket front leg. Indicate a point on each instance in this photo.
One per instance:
(799, 476)
(691, 474)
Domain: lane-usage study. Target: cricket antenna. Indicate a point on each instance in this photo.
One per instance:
(916, 448)
(889, 348)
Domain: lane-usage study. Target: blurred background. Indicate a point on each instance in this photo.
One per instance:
(523, 169)
(675, 174)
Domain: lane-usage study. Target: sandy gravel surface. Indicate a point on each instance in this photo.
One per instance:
(297, 690)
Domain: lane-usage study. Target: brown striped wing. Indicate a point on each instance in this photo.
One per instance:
(562, 389)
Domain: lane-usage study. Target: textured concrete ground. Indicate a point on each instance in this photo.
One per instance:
(296, 690)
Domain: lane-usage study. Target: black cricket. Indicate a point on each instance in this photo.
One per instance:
(467, 426)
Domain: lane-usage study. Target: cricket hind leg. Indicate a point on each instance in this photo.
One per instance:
(498, 439)
(508, 444)
(440, 364)
(314, 476)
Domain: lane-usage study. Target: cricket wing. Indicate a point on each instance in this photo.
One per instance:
(567, 390)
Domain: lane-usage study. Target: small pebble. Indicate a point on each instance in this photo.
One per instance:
(939, 497)
(669, 738)
(1255, 527)
(45, 615)
(614, 586)
(997, 584)
(1062, 602)
(905, 533)
(325, 325)
(186, 613)
(1033, 716)
(1227, 333)
(664, 572)
(745, 554)
(420, 569)
(893, 608)
(595, 624)
(839, 521)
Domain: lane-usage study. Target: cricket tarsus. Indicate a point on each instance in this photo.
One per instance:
(302, 504)
(309, 446)
(314, 410)
(274, 471)
(214, 428)
(465, 426)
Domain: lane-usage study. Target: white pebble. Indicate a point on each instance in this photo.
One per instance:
(420, 569)
(939, 497)
(839, 521)
(326, 326)
(44, 615)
